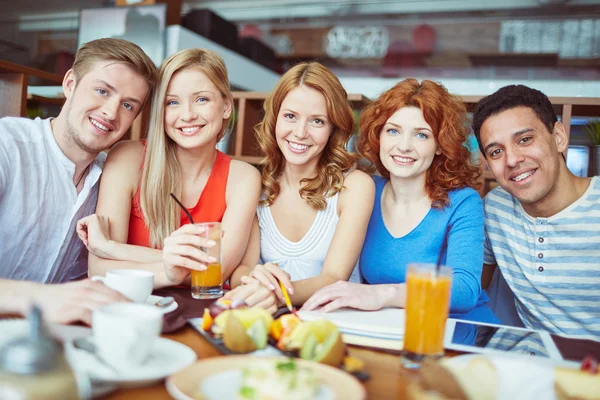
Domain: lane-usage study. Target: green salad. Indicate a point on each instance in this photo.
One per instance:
(278, 380)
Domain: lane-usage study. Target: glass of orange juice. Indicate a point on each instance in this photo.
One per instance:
(427, 304)
(208, 284)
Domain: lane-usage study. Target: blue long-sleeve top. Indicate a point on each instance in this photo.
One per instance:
(384, 258)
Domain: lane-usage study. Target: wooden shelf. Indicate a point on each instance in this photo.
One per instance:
(14, 80)
(8, 67)
(35, 99)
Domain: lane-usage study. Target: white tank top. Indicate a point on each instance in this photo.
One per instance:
(303, 259)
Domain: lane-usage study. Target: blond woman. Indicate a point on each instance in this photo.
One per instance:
(137, 224)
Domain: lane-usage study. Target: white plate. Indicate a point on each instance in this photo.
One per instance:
(220, 378)
(11, 329)
(166, 358)
(152, 299)
(226, 385)
(463, 360)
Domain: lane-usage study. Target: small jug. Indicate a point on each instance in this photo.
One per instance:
(34, 367)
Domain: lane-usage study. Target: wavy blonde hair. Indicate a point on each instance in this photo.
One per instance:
(161, 172)
(334, 161)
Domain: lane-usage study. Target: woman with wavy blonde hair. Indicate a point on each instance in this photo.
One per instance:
(137, 224)
(415, 135)
(315, 206)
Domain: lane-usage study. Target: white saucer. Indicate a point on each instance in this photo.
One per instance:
(11, 329)
(166, 358)
(152, 299)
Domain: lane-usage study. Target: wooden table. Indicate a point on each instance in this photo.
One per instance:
(388, 379)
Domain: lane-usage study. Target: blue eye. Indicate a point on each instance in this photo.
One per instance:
(201, 100)
(422, 135)
(392, 131)
(103, 92)
(171, 102)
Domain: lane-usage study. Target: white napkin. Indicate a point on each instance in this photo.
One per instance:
(520, 378)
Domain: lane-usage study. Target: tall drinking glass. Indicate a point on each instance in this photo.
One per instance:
(427, 304)
(208, 284)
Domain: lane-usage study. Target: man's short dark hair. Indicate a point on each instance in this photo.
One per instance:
(511, 97)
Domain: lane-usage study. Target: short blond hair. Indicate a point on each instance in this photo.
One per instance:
(118, 50)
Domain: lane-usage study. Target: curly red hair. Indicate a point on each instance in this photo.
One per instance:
(447, 116)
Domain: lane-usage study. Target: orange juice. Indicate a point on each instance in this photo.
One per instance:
(208, 284)
(427, 304)
(208, 278)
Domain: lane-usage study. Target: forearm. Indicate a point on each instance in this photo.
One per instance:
(392, 295)
(238, 273)
(16, 296)
(127, 252)
(465, 293)
(100, 266)
(305, 288)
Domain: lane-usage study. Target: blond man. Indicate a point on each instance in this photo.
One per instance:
(49, 178)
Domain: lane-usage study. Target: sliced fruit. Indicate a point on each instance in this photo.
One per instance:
(330, 352)
(258, 334)
(235, 337)
(589, 364)
(221, 305)
(207, 320)
(308, 349)
(320, 328)
(284, 325)
(246, 316)
(353, 364)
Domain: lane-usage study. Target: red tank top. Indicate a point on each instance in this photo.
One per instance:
(210, 207)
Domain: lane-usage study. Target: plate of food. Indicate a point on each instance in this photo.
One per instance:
(505, 376)
(234, 328)
(253, 378)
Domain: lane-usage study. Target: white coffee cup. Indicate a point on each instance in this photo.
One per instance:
(124, 333)
(136, 284)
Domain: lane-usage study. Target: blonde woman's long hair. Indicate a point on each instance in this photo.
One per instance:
(334, 161)
(161, 172)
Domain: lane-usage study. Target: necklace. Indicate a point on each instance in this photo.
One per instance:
(81, 176)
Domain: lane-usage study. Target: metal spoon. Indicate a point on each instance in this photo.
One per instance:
(86, 345)
(164, 302)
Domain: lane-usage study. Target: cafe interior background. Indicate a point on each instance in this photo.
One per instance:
(473, 47)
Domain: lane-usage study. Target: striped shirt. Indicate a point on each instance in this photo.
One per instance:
(551, 264)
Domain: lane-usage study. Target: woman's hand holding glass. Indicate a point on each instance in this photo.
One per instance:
(181, 253)
(270, 275)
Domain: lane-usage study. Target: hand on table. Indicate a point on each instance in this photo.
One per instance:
(181, 253)
(270, 275)
(255, 295)
(345, 294)
(74, 301)
(94, 232)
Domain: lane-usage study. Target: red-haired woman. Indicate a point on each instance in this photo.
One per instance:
(415, 135)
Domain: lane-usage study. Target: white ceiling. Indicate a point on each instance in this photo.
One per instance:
(257, 10)
(241, 10)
